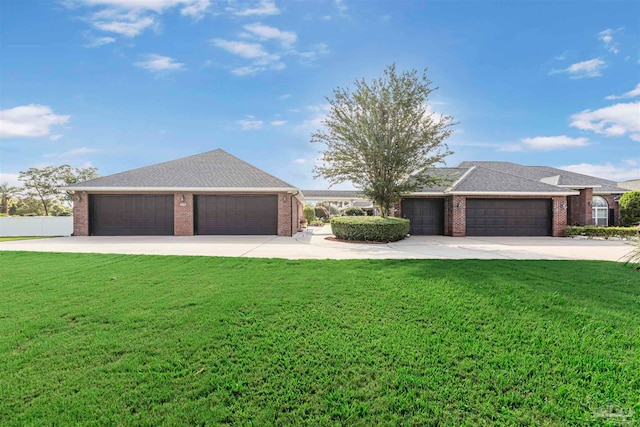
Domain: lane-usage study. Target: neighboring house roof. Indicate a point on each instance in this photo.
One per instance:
(553, 176)
(632, 184)
(213, 170)
(327, 194)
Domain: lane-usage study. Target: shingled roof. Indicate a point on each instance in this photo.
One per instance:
(213, 170)
(549, 175)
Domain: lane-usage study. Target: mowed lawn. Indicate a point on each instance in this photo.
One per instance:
(90, 339)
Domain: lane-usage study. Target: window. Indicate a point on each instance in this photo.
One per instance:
(599, 211)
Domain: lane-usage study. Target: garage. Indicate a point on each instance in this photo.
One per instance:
(426, 216)
(236, 214)
(131, 215)
(508, 217)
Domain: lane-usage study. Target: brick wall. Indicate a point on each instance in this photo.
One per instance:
(80, 213)
(458, 216)
(584, 207)
(284, 214)
(183, 210)
(559, 219)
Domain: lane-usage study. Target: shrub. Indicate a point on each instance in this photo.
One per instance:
(317, 223)
(606, 232)
(630, 209)
(370, 228)
(353, 211)
(321, 213)
(334, 211)
(309, 213)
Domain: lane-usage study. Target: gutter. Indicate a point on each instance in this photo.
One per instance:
(186, 189)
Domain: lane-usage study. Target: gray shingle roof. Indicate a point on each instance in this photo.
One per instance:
(549, 175)
(213, 169)
(450, 174)
(481, 179)
(342, 194)
(632, 184)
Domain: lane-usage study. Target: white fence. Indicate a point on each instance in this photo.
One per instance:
(36, 226)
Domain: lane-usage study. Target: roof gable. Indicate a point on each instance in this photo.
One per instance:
(213, 169)
(484, 180)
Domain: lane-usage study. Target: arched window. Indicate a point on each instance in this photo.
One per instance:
(600, 211)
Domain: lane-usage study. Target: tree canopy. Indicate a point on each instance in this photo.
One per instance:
(383, 137)
(44, 183)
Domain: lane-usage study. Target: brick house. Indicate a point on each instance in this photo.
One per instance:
(505, 199)
(208, 193)
(217, 193)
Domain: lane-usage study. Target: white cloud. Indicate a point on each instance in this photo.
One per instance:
(261, 59)
(265, 7)
(55, 137)
(616, 120)
(631, 94)
(74, 152)
(249, 124)
(590, 68)
(606, 37)
(607, 170)
(132, 17)
(315, 52)
(284, 96)
(31, 120)
(278, 122)
(264, 32)
(99, 41)
(341, 6)
(300, 161)
(242, 49)
(549, 143)
(159, 64)
(11, 179)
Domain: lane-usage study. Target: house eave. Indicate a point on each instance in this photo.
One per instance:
(514, 193)
(289, 190)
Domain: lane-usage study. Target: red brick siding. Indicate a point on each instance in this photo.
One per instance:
(459, 216)
(559, 219)
(183, 221)
(584, 206)
(80, 214)
(285, 214)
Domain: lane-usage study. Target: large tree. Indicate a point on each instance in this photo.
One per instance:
(44, 183)
(7, 192)
(383, 137)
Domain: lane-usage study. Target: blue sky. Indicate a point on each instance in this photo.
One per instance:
(119, 84)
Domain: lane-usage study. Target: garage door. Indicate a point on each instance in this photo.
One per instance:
(131, 215)
(426, 216)
(237, 214)
(508, 217)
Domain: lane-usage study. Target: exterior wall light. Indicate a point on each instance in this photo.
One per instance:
(181, 198)
(563, 205)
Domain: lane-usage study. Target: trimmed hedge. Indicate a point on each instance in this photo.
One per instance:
(606, 232)
(370, 228)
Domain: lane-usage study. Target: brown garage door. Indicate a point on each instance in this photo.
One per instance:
(131, 215)
(426, 216)
(236, 215)
(508, 217)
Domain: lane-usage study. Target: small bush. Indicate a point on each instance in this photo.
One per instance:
(309, 213)
(334, 211)
(353, 211)
(317, 223)
(370, 228)
(630, 209)
(606, 232)
(321, 213)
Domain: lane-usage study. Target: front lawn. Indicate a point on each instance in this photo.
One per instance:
(91, 339)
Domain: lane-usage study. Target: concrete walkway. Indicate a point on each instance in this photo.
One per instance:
(312, 244)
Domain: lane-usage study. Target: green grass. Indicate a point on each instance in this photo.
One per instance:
(11, 238)
(91, 339)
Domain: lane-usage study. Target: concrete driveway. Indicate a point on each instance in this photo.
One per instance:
(312, 244)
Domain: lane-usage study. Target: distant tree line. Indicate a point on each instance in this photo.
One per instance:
(40, 193)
